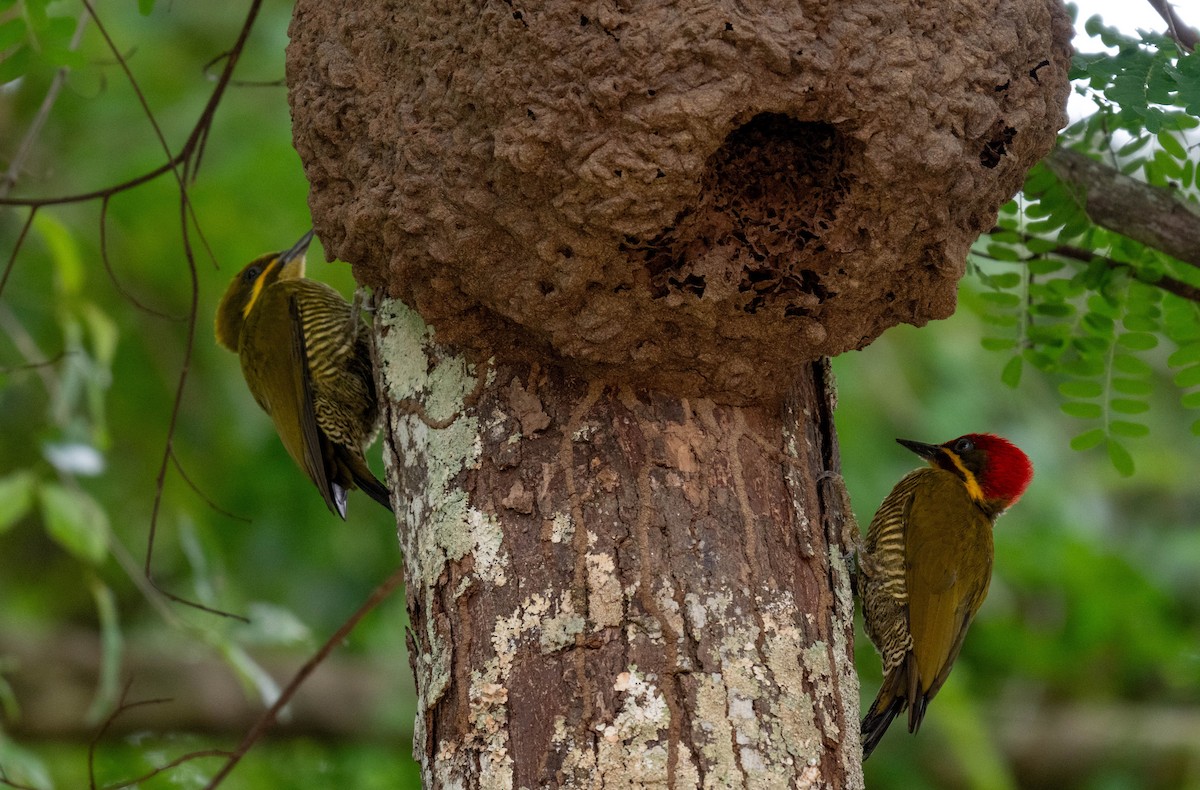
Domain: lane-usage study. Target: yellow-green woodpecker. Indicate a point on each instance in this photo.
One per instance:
(927, 566)
(307, 361)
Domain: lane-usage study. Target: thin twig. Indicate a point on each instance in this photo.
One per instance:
(267, 720)
(122, 706)
(1166, 283)
(178, 761)
(28, 347)
(6, 782)
(12, 258)
(181, 166)
(196, 489)
(112, 274)
(33, 134)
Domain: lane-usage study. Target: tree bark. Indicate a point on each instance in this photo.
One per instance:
(639, 229)
(611, 587)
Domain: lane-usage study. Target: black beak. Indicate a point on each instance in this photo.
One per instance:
(926, 451)
(297, 249)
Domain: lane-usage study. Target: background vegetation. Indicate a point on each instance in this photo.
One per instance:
(1083, 669)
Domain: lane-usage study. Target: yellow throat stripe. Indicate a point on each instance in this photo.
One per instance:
(256, 291)
(969, 480)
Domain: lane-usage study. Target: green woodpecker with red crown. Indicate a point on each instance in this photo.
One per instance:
(926, 566)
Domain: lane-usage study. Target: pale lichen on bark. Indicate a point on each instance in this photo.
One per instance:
(838, 685)
(605, 600)
(451, 527)
(676, 686)
(685, 209)
(433, 438)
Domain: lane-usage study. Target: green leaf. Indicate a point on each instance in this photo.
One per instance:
(1196, 428)
(15, 65)
(1005, 280)
(1099, 304)
(1188, 377)
(1041, 360)
(1041, 247)
(1166, 166)
(1082, 410)
(1088, 439)
(1133, 146)
(1129, 406)
(1120, 457)
(1131, 365)
(1036, 209)
(1191, 400)
(1171, 145)
(35, 10)
(1002, 252)
(12, 33)
(1133, 430)
(108, 690)
(1138, 341)
(16, 497)
(998, 343)
(64, 56)
(1001, 298)
(104, 333)
(1040, 266)
(1099, 324)
(145, 7)
(1044, 227)
(64, 252)
(1084, 366)
(1048, 334)
(1054, 309)
(1184, 355)
(1011, 375)
(1081, 389)
(1000, 319)
(1075, 227)
(1132, 386)
(75, 521)
(1141, 323)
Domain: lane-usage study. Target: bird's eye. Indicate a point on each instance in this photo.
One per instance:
(251, 274)
(964, 445)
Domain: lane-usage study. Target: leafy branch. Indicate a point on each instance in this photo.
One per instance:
(183, 166)
(1099, 260)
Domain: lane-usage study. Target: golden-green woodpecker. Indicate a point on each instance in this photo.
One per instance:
(927, 566)
(307, 361)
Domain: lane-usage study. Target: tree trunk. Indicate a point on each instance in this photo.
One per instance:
(611, 587)
(639, 229)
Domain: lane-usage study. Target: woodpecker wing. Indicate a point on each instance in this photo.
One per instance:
(885, 601)
(313, 439)
(341, 387)
(885, 588)
(274, 362)
(338, 361)
(949, 550)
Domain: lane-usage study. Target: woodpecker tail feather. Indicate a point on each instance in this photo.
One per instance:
(370, 485)
(888, 704)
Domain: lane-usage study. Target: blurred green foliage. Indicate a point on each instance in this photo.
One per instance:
(1083, 667)
(1083, 303)
(87, 382)
(1095, 603)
